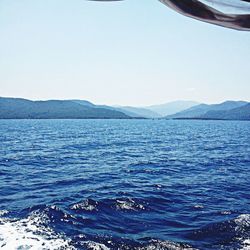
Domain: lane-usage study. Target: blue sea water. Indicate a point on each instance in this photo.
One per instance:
(124, 184)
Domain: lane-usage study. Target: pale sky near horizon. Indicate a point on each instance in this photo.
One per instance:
(133, 52)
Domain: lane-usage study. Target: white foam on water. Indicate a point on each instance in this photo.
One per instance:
(242, 222)
(30, 233)
(198, 206)
(226, 212)
(3, 212)
(85, 205)
(160, 245)
(245, 244)
(152, 245)
(128, 205)
(91, 245)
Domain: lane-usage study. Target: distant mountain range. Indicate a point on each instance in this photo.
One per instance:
(171, 108)
(138, 112)
(229, 110)
(157, 111)
(18, 108)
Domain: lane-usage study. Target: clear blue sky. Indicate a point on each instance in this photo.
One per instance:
(136, 52)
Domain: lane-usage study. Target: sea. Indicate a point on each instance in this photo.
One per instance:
(124, 184)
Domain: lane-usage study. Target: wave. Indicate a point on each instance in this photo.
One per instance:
(41, 229)
(34, 232)
(87, 205)
(229, 234)
(120, 204)
(243, 227)
(152, 245)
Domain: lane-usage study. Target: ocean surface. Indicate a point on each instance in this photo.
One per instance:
(124, 184)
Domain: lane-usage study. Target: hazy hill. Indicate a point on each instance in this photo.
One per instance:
(146, 112)
(200, 110)
(138, 112)
(240, 113)
(17, 108)
(129, 111)
(171, 107)
(83, 102)
(133, 112)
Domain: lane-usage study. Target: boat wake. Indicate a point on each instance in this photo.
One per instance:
(30, 233)
(37, 231)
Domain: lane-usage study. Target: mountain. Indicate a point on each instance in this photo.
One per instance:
(129, 111)
(223, 110)
(171, 107)
(133, 112)
(240, 113)
(17, 108)
(83, 102)
(138, 112)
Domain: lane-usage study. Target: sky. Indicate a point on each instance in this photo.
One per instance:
(133, 52)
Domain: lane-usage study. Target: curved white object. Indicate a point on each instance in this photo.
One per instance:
(234, 14)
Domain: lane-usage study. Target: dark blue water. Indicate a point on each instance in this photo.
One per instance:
(124, 184)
